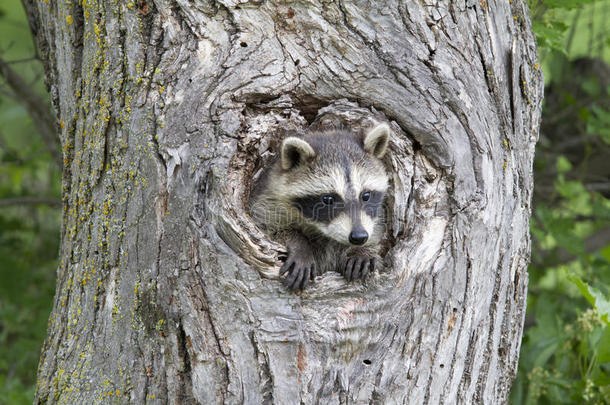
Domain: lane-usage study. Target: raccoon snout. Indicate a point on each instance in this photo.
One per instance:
(358, 236)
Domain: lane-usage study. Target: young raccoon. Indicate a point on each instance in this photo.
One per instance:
(324, 197)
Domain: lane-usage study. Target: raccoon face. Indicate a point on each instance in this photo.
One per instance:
(337, 183)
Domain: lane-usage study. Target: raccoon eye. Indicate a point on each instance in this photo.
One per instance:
(328, 199)
(366, 196)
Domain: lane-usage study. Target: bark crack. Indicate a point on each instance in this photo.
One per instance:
(205, 310)
(468, 359)
(265, 375)
(186, 389)
(371, 45)
(438, 342)
(484, 372)
(294, 62)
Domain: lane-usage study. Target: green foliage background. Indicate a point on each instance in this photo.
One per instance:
(29, 233)
(565, 355)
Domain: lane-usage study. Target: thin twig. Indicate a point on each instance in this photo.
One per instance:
(592, 243)
(570, 38)
(10, 202)
(23, 60)
(591, 31)
(39, 110)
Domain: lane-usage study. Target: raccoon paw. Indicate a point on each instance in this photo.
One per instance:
(358, 267)
(300, 271)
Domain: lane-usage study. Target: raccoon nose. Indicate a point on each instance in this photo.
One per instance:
(358, 237)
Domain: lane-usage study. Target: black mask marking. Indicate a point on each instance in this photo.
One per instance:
(372, 207)
(314, 208)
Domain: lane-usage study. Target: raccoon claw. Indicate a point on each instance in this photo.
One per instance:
(299, 275)
(358, 267)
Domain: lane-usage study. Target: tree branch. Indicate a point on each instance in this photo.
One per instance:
(39, 110)
(9, 202)
(593, 243)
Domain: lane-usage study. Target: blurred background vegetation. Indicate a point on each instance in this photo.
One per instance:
(565, 354)
(30, 207)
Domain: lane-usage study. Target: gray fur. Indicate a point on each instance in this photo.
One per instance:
(294, 152)
(376, 140)
(340, 163)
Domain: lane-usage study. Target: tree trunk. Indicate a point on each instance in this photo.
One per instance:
(167, 109)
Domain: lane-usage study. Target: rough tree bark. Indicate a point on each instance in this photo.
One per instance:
(167, 110)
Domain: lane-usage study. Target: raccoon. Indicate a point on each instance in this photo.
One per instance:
(324, 197)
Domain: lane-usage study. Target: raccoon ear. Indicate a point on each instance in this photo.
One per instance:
(295, 151)
(376, 140)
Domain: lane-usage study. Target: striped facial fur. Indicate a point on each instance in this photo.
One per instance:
(323, 198)
(345, 215)
(334, 183)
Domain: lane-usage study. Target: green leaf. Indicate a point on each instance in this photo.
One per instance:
(550, 34)
(602, 304)
(599, 124)
(594, 296)
(576, 197)
(591, 86)
(546, 352)
(563, 164)
(566, 4)
(603, 350)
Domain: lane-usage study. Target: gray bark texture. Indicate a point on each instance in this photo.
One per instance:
(167, 111)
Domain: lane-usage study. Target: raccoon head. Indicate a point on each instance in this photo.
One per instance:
(337, 183)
